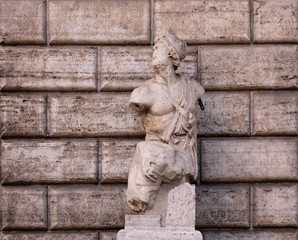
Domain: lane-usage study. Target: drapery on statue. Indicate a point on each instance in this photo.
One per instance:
(167, 108)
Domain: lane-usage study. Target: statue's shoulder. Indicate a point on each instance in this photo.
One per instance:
(199, 90)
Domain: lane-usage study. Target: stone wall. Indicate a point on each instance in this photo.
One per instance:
(66, 71)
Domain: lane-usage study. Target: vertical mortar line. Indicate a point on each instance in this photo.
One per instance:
(47, 116)
(199, 179)
(48, 208)
(98, 160)
(151, 22)
(198, 65)
(251, 20)
(250, 206)
(97, 71)
(250, 114)
(47, 23)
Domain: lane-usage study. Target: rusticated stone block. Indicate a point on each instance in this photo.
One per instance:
(87, 208)
(275, 205)
(275, 113)
(224, 114)
(222, 206)
(49, 161)
(191, 20)
(108, 235)
(51, 236)
(275, 21)
(116, 157)
(101, 21)
(24, 208)
(49, 69)
(125, 68)
(23, 115)
(249, 235)
(103, 114)
(23, 21)
(257, 67)
(249, 160)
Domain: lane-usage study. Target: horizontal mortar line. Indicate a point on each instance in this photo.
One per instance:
(90, 186)
(255, 229)
(247, 183)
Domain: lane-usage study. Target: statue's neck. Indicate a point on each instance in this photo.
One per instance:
(166, 75)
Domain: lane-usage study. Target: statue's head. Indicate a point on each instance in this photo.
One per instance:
(168, 47)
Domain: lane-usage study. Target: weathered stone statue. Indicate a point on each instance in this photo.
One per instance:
(167, 107)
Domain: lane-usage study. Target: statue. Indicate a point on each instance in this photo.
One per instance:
(166, 106)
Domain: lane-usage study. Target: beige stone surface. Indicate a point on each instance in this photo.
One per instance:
(51, 236)
(116, 157)
(103, 114)
(275, 113)
(23, 115)
(203, 21)
(224, 114)
(108, 235)
(87, 208)
(142, 221)
(241, 67)
(234, 160)
(275, 21)
(49, 69)
(23, 21)
(251, 235)
(125, 68)
(100, 21)
(49, 161)
(220, 206)
(275, 205)
(24, 208)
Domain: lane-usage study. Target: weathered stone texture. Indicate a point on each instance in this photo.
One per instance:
(83, 208)
(101, 21)
(257, 67)
(222, 206)
(49, 69)
(275, 21)
(49, 161)
(125, 68)
(23, 22)
(108, 235)
(249, 160)
(51, 236)
(203, 21)
(23, 115)
(275, 113)
(275, 205)
(250, 235)
(93, 115)
(224, 114)
(24, 208)
(116, 157)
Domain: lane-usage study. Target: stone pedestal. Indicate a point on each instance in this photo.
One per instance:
(179, 223)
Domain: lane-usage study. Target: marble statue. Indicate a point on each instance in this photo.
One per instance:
(167, 107)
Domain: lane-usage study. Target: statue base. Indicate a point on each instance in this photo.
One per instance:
(179, 223)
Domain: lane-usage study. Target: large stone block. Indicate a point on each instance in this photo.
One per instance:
(275, 21)
(24, 208)
(250, 235)
(242, 160)
(224, 114)
(275, 113)
(257, 67)
(125, 68)
(104, 114)
(116, 157)
(23, 22)
(87, 208)
(49, 161)
(49, 69)
(222, 206)
(51, 236)
(203, 21)
(23, 115)
(100, 21)
(275, 205)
